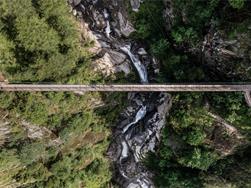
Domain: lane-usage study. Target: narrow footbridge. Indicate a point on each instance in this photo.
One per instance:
(224, 87)
(130, 87)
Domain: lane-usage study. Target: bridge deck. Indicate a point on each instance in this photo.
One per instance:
(129, 87)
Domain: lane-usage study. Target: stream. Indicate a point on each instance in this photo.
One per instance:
(140, 124)
(137, 63)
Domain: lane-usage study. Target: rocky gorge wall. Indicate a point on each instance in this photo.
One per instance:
(138, 131)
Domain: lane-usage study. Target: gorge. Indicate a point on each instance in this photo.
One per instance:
(142, 122)
(65, 122)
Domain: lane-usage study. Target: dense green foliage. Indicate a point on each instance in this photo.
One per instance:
(51, 139)
(179, 48)
(41, 43)
(237, 3)
(188, 156)
(150, 28)
(192, 147)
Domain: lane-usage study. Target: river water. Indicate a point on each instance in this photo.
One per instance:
(137, 63)
(140, 124)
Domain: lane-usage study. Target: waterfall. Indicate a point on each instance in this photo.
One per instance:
(108, 27)
(125, 150)
(131, 141)
(137, 63)
(140, 115)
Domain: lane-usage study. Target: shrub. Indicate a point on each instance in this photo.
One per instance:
(198, 159)
(238, 4)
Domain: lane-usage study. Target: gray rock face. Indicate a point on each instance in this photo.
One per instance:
(111, 63)
(88, 35)
(126, 28)
(98, 28)
(133, 140)
(139, 129)
(35, 132)
(219, 52)
(106, 23)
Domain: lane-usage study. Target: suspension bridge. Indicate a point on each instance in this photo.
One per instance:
(216, 87)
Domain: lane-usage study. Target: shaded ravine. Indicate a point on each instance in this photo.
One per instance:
(138, 133)
(139, 127)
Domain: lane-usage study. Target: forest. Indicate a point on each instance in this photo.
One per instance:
(60, 139)
(191, 153)
(48, 139)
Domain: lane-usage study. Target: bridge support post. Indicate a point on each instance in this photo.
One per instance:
(247, 95)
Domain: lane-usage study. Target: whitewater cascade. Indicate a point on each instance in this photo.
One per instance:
(140, 124)
(140, 115)
(141, 69)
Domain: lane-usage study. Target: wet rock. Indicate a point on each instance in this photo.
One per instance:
(130, 109)
(117, 57)
(141, 69)
(106, 24)
(139, 138)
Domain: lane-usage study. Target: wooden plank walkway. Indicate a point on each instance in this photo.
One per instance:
(129, 87)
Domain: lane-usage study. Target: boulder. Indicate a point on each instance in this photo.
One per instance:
(112, 62)
(142, 51)
(135, 4)
(126, 27)
(99, 19)
(74, 3)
